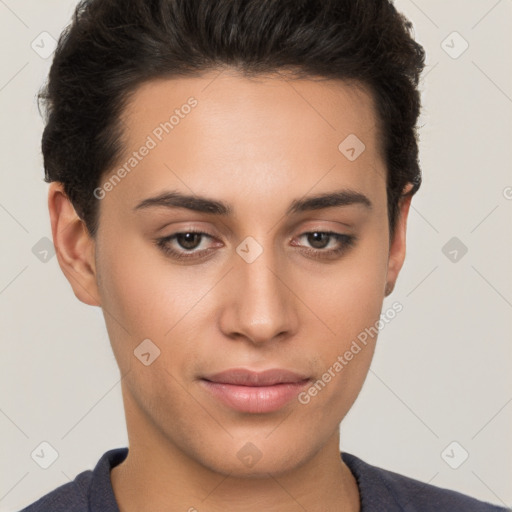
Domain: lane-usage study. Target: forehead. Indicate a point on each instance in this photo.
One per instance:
(223, 127)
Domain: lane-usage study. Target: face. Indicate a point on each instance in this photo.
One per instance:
(278, 260)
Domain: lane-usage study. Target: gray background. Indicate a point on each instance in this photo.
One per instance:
(441, 372)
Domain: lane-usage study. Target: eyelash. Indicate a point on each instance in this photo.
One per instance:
(347, 241)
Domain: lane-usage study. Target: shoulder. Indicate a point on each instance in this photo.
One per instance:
(90, 490)
(70, 497)
(379, 487)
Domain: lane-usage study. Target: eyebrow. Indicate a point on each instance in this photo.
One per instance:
(175, 199)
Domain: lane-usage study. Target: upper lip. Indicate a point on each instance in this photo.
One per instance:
(243, 377)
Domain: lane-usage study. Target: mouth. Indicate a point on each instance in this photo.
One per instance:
(255, 392)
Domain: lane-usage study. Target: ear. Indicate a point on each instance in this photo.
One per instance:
(398, 244)
(74, 247)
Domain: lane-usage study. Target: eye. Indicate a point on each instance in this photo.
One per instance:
(327, 244)
(184, 245)
(189, 244)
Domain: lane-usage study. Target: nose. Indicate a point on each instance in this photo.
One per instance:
(260, 305)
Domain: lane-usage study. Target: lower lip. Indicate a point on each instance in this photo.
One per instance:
(255, 399)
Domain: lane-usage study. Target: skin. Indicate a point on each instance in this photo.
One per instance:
(257, 144)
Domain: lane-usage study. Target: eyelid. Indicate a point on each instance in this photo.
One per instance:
(347, 241)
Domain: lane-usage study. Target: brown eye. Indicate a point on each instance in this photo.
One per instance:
(186, 245)
(318, 240)
(188, 240)
(326, 244)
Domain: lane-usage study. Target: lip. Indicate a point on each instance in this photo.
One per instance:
(255, 392)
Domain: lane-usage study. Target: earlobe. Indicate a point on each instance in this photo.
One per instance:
(74, 247)
(398, 244)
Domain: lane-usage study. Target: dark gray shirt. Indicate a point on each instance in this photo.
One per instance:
(380, 491)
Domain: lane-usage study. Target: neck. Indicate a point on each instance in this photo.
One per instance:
(158, 476)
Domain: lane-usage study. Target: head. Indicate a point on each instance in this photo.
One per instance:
(284, 135)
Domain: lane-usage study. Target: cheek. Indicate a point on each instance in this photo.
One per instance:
(146, 297)
(350, 304)
(350, 296)
(142, 296)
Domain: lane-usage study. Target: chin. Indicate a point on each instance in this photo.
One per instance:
(253, 459)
